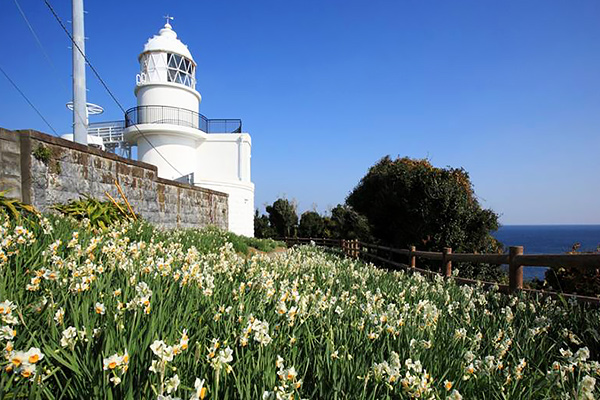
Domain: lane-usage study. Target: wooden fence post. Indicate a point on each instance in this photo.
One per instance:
(412, 259)
(515, 271)
(446, 264)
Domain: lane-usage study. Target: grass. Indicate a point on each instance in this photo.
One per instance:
(105, 306)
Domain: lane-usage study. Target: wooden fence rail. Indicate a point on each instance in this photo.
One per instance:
(515, 259)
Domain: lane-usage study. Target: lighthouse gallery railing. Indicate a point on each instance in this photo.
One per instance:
(182, 117)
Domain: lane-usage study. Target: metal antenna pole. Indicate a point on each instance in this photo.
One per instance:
(79, 91)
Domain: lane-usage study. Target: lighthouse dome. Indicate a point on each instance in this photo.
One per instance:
(166, 60)
(167, 41)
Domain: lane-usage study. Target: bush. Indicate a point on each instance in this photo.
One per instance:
(283, 218)
(14, 208)
(101, 214)
(311, 225)
(262, 226)
(409, 202)
(346, 223)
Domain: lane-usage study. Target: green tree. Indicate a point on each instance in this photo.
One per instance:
(262, 226)
(311, 225)
(283, 217)
(346, 223)
(409, 202)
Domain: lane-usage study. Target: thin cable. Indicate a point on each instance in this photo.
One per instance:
(27, 100)
(41, 46)
(104, 84)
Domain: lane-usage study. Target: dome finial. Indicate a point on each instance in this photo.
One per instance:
(168, 18)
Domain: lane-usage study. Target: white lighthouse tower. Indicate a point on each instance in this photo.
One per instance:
(184, 145)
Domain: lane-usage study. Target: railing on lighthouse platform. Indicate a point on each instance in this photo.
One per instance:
(181, 117)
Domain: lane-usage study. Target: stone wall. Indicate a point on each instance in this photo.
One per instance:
(68, 170)
(10, 165)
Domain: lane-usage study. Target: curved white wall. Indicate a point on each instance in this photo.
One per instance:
(168, 94)
(179, 151)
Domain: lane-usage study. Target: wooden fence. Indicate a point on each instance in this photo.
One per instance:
(515, 259)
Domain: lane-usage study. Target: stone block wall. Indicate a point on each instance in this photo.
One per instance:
(10, 165)
(72, 170)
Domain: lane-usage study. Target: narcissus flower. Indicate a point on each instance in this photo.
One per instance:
(34, 355)
(100, 309)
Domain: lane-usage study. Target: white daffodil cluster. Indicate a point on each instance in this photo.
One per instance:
(219, 358)
(259, 329)
(576, 368)
(412, 379)
(22, 362)
(142, 298)
(13, 241)
(288, 386)
(117, 365)
(164, 354)
(9, 320)
(327, 316)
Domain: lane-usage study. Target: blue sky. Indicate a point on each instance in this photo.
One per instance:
(509, 90)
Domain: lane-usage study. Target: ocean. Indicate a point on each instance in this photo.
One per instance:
(548, 239)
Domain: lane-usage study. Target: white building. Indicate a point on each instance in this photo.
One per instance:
(184, 145)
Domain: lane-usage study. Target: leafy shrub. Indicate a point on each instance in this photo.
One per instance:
(283, 217)
(409, 202)
(265, 245)
(262, 226)
(101, 214)
(14, 208)
(241, 244)
(311, 225)
(346, 223)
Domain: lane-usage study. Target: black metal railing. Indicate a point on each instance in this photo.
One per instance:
(182, 117)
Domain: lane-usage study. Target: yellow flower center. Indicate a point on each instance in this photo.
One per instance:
(34, 358)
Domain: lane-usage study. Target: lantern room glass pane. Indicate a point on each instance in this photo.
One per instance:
(180, 70)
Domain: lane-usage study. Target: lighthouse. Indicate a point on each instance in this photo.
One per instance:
(184, 145)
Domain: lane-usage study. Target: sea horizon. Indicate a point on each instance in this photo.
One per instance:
(548, 239)
(551, 224)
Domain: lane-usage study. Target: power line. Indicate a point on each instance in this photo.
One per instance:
(27, 100)
(41, 46)
(104, 83)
